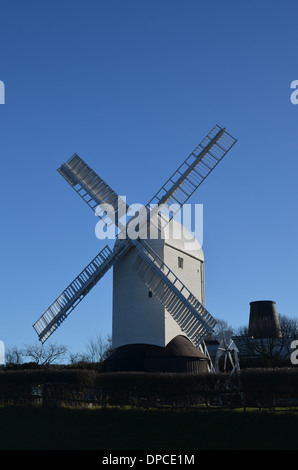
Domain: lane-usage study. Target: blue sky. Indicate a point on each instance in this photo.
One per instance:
(133, 87)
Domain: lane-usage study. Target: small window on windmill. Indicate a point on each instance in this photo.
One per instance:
(150, 293)
(180, 262)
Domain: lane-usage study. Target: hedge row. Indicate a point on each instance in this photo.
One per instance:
(251, 387)
(270, 387)
(56, 386)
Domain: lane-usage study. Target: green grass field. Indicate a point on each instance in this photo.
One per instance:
(36, 428)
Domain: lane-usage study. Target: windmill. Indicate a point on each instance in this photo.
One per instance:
(228, 350)
(143, 261)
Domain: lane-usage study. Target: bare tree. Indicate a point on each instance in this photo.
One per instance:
(45, 355)
(98, 349)
(289, 326)
(221, 325)
(14, 355)
(74, 358)
(108, 347)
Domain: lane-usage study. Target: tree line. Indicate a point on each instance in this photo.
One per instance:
(97, 350)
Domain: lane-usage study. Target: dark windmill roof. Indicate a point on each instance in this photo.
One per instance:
(180, 346)
(180, 355)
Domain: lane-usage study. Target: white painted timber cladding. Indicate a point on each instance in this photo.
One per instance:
(140, 319)
(190, 275)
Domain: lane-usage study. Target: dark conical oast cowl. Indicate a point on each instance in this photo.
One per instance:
(263, 320)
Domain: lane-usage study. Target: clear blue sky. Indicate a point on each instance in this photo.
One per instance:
(133, 86)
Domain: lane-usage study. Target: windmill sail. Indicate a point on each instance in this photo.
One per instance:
(190, 175)
(75, 292)
(93, 190)
(187, 311)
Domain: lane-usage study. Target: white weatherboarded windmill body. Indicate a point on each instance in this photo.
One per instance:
(159, 317)
(137, 313)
